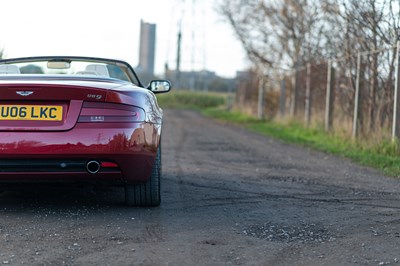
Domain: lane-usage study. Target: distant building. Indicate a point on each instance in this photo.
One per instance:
(147, 48)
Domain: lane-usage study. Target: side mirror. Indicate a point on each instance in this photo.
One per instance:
(159, 86)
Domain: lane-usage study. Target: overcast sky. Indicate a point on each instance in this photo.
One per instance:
(110, 28)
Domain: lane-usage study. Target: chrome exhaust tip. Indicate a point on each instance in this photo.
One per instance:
(93, 167)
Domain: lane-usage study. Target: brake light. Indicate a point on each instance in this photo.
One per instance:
(93, 112)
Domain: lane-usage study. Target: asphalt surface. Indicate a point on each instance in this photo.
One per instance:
(230, 197)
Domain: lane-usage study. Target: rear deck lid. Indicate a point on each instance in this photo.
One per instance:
(47, 105)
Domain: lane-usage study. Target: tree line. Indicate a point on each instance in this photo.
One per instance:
(284, 36)
(290, 33)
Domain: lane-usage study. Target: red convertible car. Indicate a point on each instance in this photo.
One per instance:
(80, 119)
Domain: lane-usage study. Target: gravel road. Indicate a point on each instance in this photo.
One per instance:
(230, 197)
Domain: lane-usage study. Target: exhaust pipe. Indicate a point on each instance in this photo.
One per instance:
(93, 167)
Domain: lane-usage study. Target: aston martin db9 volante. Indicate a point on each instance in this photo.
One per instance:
(80, 119)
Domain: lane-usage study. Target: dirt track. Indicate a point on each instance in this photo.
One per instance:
(230, 197)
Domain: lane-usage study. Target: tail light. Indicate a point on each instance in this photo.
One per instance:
(93, 112)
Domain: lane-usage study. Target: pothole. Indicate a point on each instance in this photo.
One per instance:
(303, 233)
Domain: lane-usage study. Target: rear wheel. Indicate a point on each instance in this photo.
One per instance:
(149, 193)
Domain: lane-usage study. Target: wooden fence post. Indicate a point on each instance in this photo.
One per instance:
(293, 106)
(307, 107)
(357, 99)
(282, 98)
(330, 88)
(261, 98)
(396, 107)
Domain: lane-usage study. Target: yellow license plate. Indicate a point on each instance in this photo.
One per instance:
(31, 112)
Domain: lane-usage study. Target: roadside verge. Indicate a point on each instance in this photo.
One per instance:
(382, 155)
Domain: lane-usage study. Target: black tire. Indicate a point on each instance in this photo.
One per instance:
(149, 193)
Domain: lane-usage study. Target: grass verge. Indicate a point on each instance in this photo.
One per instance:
(382, 155)
(190, 100)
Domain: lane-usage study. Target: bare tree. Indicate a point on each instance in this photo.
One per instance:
(278, 34)
(250, 28)
(367, 26)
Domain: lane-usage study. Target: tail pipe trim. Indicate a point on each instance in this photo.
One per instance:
(93, 167)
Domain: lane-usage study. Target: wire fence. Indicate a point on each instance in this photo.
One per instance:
(356, 95)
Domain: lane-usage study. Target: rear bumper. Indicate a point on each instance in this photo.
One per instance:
(61, 156)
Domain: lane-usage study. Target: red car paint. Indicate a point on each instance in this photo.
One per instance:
(131, 146)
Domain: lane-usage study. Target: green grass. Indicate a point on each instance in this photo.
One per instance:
(382, 155)
(190, 100)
